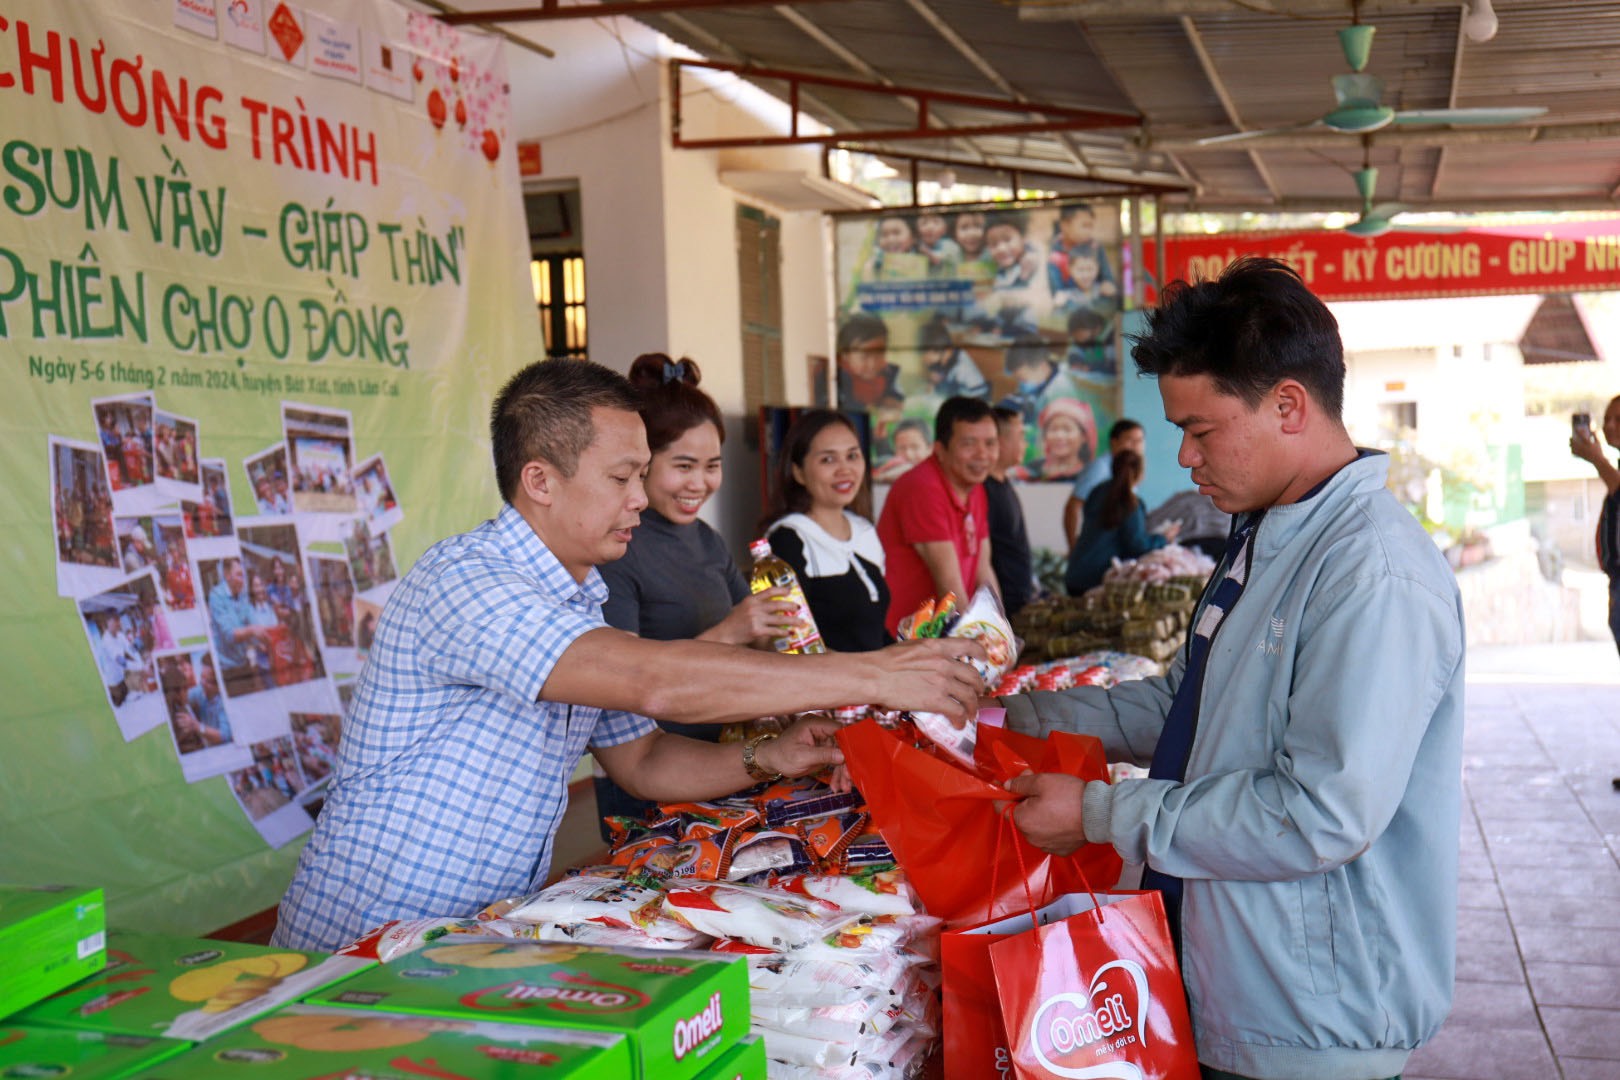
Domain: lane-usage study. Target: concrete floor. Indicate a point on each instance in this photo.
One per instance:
(1538, 975)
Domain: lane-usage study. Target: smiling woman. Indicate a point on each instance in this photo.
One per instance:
(820, 526)
(676, 579)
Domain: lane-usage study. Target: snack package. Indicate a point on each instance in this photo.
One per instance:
(715, 816)
(612, 937)
(765, 852)
(704, 855)
(873, 934)
(878, 889)
(395, 939)
(782, 807)
(869, 849)
(829, 838)
(628, 913)
(581, 899)
(788, 979)
(808, 1050)
(755, 916)
(985, 622)
(864, 1017)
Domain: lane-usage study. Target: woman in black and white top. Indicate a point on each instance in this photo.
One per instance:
(821, 526)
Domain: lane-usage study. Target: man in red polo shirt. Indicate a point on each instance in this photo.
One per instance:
(935, 525)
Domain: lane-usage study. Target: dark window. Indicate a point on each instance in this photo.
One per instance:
(559, 295)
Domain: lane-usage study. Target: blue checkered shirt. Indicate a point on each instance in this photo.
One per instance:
(452, 776)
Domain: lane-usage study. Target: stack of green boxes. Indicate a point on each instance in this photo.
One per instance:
(167, 1008)
(51, 938)
(307, 1041)
(683, 1015)
(156, 996)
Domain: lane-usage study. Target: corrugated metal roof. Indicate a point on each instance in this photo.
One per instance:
(1274, 69)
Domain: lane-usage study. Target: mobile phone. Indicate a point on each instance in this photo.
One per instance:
(1581, 425)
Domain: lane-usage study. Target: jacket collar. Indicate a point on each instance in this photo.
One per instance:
(1368, 473)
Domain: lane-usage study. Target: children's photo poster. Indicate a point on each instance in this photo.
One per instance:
(1014, 305)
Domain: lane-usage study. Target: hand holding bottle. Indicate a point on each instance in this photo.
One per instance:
(757, 619)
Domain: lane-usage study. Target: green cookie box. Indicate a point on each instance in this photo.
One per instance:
(187, 988)
(27, 1051)
(681, 1010)
(745, 1061)
(49, 938)
(312, 1042)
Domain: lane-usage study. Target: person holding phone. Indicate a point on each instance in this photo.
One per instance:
(1584, 444)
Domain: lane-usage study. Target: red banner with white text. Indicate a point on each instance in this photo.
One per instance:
(1581, 256)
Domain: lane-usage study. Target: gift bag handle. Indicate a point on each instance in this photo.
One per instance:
(1006, 822)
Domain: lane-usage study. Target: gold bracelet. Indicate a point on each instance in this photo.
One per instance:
(751, 765)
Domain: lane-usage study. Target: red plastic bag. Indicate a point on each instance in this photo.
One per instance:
(942, 824)
(1094, 990)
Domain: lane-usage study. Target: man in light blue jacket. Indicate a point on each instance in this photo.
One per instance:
(1301, 810)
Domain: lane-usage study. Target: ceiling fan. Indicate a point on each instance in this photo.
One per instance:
(1379, 218)
(1358, 106)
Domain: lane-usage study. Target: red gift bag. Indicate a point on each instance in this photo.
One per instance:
(941, 821)
(1093, 991)
(975, 1039)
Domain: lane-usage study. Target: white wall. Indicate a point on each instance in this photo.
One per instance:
(597, 109)
(660, 227)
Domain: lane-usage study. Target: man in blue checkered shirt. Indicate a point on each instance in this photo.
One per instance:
(492, 672)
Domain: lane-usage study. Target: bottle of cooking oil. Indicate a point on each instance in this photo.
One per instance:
(771, 572)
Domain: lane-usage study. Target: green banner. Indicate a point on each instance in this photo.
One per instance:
(261, 273)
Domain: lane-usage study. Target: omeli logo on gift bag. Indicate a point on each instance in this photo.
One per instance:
(1070, 1028)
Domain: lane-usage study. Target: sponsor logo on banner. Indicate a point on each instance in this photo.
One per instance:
(286, 26)
(243, 25)
(334, 49)
(198, 16)
(1071, 1033)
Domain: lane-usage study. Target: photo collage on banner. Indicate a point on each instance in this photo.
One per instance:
(238, 634)
(1018, 306)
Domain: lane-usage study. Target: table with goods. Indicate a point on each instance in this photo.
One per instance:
(792, 931)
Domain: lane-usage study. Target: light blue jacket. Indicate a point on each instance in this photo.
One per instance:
(1317, 827)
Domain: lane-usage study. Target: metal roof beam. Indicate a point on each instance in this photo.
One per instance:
(1063, 118)
(1148, 182)
(726, 49)
(550, 10)
(1207, 62)
(1451, 103)
(1505, 205)
(1061, 10)
(850, 58)
(987, 69)
(444, 9)
(1333, 140)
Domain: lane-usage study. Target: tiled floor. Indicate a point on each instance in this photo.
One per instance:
(1538, 971)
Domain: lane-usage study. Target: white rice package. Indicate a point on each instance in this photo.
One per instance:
(761, 917)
